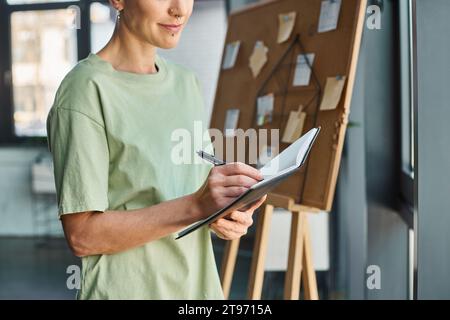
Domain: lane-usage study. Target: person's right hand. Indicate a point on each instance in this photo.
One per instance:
(224, 184)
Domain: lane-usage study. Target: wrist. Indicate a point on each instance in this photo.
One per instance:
(195, 211)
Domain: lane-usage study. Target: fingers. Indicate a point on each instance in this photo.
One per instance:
(234, 192)
(223, 185)
(229, 229)
(220, 234)
(239, 180)
(236, 224)
(257, 204)
(244, 218)
(240, 169)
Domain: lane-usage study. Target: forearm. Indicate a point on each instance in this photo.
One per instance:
(91, 233)
(115, 231)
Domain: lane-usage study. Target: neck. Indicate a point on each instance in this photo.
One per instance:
(128, 53)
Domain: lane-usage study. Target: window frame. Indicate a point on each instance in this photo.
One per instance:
(406, 60)
(7, 130)
(408, 178)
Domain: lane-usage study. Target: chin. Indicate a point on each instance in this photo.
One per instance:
(168, 42)
(166, 45)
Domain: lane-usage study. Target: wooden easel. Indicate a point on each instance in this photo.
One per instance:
(300, 263)
(336, 55)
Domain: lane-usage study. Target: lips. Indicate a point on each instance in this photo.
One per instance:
(171, 27)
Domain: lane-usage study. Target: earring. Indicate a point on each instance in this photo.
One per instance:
(118, 15)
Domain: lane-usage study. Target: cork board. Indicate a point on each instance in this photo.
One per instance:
(336, 54)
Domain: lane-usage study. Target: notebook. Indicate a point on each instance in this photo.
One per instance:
(274, 172)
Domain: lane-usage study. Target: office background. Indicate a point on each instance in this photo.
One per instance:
(391, 205)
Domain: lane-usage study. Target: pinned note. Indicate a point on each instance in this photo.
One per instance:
(286, 25)
(259, 58)
(329, 15)
(302, 75)
(333, 92)
(231, 53)
(265, 105)
(231, 122)
(294, 126)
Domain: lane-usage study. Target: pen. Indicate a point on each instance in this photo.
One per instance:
(211, 158)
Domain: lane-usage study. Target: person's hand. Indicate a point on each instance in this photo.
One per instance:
(236, 224)
(224, 184)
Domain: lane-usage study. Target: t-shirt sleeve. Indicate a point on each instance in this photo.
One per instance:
(79, 148)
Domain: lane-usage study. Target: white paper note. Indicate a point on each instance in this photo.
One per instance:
(302, 75)
(329, 15)
(265, 106)
(231, 53)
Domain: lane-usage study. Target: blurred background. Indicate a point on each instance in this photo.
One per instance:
(392, 200)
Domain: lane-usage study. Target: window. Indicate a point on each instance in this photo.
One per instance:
(407, 110)
(103, 19)
(407, 130)
(44, 40)
(43, 50)
(406, 87)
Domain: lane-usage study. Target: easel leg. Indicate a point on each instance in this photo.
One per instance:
(228, 264)
(309, 274)
(295, 263)
(256, 276)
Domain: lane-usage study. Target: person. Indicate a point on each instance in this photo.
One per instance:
(121, 196)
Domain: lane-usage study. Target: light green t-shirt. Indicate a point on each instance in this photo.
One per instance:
(110, 135)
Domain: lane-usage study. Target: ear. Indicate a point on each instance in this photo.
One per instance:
(117, 4)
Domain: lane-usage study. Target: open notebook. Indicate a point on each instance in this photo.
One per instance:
(274, 172)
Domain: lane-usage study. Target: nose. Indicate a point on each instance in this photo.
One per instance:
(178, 8)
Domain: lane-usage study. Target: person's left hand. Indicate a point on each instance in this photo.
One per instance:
(236, 224)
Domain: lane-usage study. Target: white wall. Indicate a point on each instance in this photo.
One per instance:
(279, 237)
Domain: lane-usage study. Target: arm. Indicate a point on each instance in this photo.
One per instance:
(91, 233)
